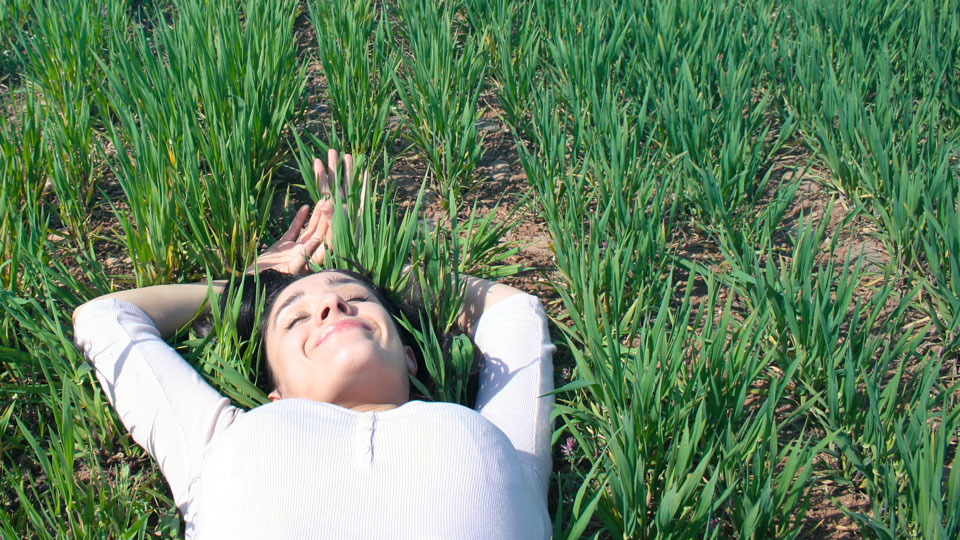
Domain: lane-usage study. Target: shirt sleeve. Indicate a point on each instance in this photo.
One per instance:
(164, 403)
(517, 371)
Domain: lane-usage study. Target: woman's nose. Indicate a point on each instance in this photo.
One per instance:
(333, 303)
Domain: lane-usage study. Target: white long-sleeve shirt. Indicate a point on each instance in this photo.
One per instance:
(297, 468)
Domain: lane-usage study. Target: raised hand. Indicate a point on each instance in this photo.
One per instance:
(300, 245)
(326, 179)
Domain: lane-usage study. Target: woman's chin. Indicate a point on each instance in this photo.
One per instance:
(356, 356)
(361, 374)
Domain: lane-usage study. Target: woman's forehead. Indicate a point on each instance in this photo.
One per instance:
(322, 282)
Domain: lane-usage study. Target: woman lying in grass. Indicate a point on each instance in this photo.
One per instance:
(341, 451)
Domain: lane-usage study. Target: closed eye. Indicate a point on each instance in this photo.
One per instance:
(295, 320)
(301, 316)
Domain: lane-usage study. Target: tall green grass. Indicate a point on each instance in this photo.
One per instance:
(14, 14)
(723, 354)
(57, 426)
(941, 248)
(439, 87)
(513, 41)
(876, 105)
(62, 44)
(22, 178)
(874, 99)
(670, 446)
(201, 107)
(712, 87)
(355, 45)
(812, 343)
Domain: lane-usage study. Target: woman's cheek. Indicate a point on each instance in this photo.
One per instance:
(301, 336)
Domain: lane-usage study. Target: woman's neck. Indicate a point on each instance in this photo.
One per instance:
(373, 407)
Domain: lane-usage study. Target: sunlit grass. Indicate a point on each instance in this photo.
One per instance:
(723, 353)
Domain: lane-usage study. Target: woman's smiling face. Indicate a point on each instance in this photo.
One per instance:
(329, 339)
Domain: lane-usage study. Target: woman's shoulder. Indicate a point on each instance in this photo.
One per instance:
(516, 317)
(516, 306)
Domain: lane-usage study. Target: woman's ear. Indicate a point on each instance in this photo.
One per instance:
(275, 395)
(411, 359)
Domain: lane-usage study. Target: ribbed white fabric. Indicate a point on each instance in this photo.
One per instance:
(303, 469)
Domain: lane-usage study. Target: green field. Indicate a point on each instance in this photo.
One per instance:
(749, 234)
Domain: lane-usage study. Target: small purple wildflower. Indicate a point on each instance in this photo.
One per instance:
(103, 11)
(565, 373)
(567, 447)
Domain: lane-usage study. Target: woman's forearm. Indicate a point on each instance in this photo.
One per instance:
(170, 306)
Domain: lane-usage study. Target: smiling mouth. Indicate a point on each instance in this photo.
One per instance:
(336, 327)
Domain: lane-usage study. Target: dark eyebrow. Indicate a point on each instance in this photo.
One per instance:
(344, 280)
(335, 282)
